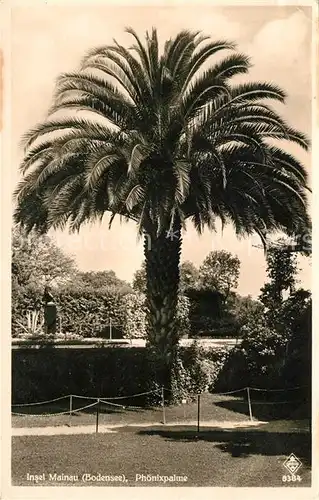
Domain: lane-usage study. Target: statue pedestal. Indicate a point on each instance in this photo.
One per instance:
(50, 318)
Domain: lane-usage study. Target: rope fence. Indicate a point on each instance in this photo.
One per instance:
(94, 403)
(43, 402)
(279, 390)
(158, 391)
(53, 414)
(246, 400)
(97, 402)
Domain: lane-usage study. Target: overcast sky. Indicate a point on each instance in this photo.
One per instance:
(49, 40)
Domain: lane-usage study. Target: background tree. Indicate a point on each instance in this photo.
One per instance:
(294, 310)
(189, 276)
(38, 261)
(139, 279)
(243, 310)
(177, 138)
(35, 263)
(206, 312)
(282, 277)
(102, 279)
(220, 272)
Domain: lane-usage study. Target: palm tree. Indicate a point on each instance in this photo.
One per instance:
(162, 138)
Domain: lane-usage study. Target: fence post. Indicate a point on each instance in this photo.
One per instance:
(249, 405)
(70, 410)
(198, 411)
(97, 416)
(163, 406)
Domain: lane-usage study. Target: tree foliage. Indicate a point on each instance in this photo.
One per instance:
(276, 341)
(139, 279)
(220, 272)
(38, 261)
(189, 276)
(281, 271)
(243, 310)
(182, 315)
(297, 318)
(295, 310)
(102, 279)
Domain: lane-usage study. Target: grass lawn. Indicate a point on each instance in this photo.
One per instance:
(217, 457)
(246, 457)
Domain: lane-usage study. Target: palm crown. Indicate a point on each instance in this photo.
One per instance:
(174, 139)
(163, 138)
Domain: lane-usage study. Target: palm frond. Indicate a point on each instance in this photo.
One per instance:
(181, 171)
(142, 52)
(87, 127)
(201, 55)
(135, 196)
(204, 88)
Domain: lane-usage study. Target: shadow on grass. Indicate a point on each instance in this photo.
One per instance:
(244, 443)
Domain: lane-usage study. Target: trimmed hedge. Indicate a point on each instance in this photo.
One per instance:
(82, 311)
(86, 311)
(47, 372)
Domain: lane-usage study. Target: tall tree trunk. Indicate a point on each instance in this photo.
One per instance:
(162, 256)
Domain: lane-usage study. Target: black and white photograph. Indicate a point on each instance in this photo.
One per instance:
(160, 219)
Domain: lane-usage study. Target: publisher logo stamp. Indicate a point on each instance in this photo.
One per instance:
(292, 465)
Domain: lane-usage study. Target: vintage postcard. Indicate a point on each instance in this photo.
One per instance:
(157, 258)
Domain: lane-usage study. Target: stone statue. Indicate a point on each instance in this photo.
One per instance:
(50, 312)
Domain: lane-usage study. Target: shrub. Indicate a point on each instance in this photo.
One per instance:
(182, 316)
(25, 300)
(256, 362)
(133, 312)
(298, 315)
(197, 369)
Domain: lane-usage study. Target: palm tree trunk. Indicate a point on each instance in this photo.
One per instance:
(162, 255)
